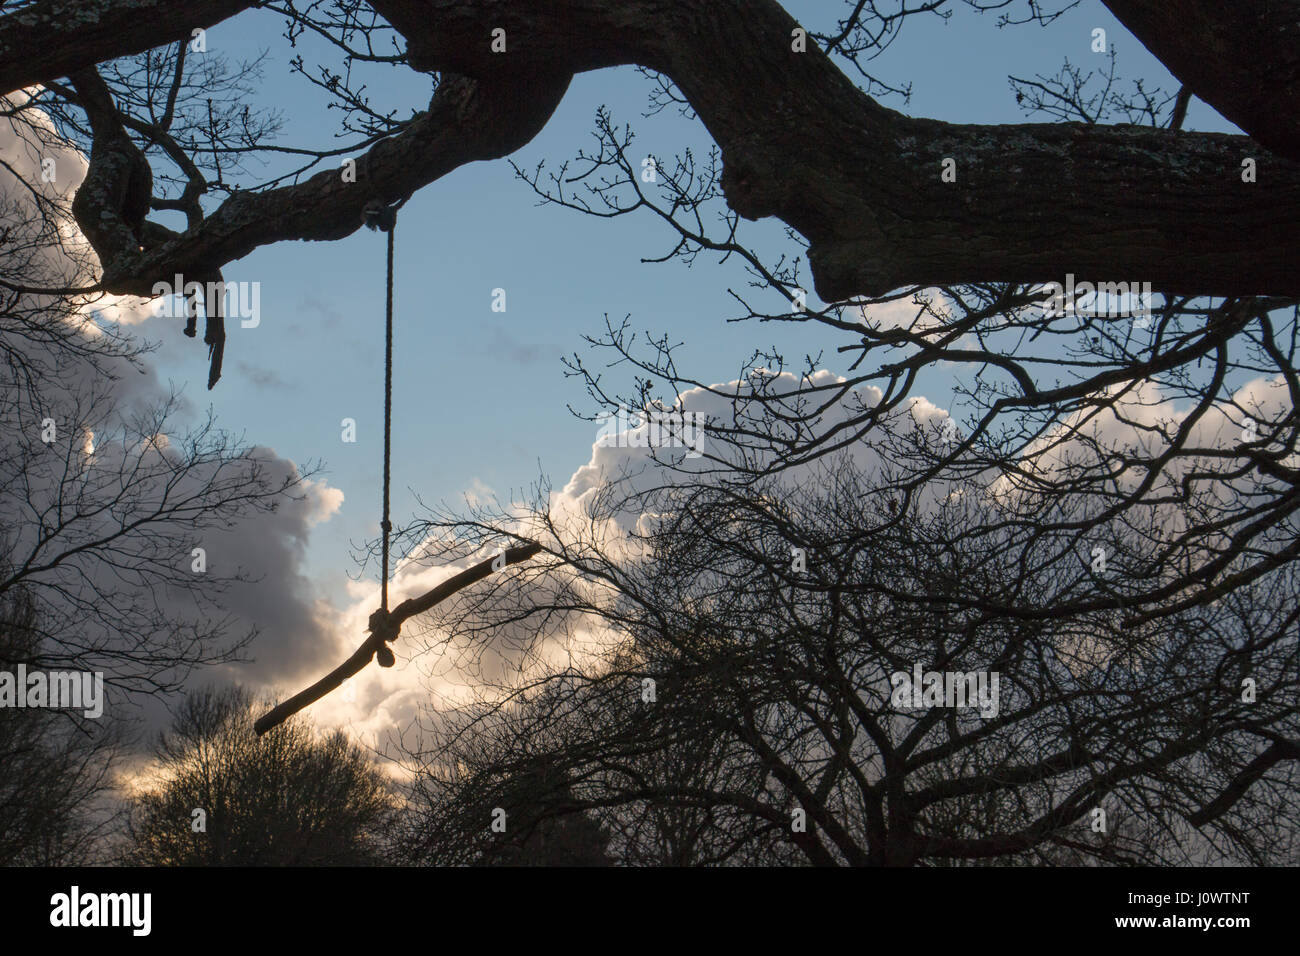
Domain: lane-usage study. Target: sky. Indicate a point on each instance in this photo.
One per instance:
(480, 397)
(481, 401)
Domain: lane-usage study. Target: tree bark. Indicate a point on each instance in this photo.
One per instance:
(1242, 58)
(463, 124)
(54, 38)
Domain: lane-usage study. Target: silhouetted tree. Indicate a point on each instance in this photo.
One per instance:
(538, 830)
(773, 719)
(55, 767)
(290, 797)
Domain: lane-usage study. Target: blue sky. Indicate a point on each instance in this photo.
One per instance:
(480, 397)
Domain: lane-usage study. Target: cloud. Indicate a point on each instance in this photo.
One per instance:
(260, 377)
(299, 634)
(503, 345)
(908, 313)
(1140, 421)
(435, 668)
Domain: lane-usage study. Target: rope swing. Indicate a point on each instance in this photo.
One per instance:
(379, 216)
(383, 624)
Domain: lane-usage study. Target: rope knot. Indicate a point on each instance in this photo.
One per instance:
(386, 629)
(377, 214)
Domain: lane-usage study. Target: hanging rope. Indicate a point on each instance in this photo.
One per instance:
(385, 525)
(384, 627)
(378, 215)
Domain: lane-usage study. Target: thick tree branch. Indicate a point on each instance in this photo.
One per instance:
(113, 199)
(71, 35)
(466, 121)
(1242, 59)
(862, 183)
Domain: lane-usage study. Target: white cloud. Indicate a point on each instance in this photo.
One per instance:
(907, 313)
(432, 668)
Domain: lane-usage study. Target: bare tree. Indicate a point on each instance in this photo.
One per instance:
(107, 510)
(107, 504)
(55, 769)
(104, 510)
(1033, 379)
(226, 797)
(775, 681)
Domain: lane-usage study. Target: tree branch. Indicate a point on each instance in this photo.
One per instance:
(466, 121)
(862, 183)
(1280, 750)
(380, 635)
(1242, 60)
(74, 34)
